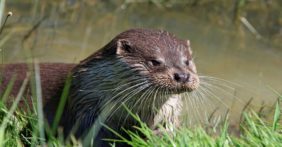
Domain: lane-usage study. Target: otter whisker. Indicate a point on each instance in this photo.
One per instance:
(210, 104)
(222, 82)
(87, 97)
(195, 107)
(209, 92)
(143, 99)
(191, 106)
(219, 84)
(227, 94)
(186, 97)
(202, 93)
(125, 90)
(117, 94)
(154, 108)
(125, 86)
(121, 85)
(139, 106)
(132, 108)
(126, 97)
(196, 99)
(199, 97)
(219, 79)
(150, 100)
(150, 108)
(155, 103)
(219, 88)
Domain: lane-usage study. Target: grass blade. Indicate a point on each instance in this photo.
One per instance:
(276, 116)
(8, 89)
(2, 7)
(39, 103)
(62, 103)
(12, 109)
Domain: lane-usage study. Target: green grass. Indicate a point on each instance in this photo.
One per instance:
(24, 124)
(254, 132)
(19, 128)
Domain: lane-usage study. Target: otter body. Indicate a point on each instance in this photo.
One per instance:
(53, 76)
(143, 71)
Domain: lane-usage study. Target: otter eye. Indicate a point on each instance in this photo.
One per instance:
(155, 63)
(187, 62)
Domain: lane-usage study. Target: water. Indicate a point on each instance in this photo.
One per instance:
(221, 49)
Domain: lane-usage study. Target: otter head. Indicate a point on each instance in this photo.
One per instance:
(160, 57)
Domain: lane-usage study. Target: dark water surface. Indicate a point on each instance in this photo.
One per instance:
(221, 48)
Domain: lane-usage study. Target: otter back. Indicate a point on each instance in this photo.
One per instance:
(52, 75)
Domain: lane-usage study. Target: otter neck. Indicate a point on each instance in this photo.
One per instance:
(111, 85)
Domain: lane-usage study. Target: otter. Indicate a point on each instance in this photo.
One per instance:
(143, 71)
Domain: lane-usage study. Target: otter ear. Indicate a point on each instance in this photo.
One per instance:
(123, 46)
(189, 48)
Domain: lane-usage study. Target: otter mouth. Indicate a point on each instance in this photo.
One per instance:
(177, 90)
(173, 86)
(182, 90)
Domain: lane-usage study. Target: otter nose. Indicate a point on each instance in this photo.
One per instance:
(181, 77)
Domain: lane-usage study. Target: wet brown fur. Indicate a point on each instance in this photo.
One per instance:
(131, 50)
(144, 45)
(52, 75)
